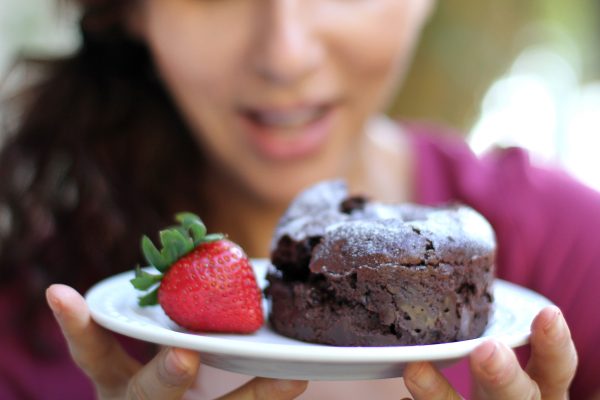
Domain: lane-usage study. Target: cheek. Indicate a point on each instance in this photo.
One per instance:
(192, 57)
(375, 45)
(186, 73)
(199, 89)
(195, 86)
(198, 68)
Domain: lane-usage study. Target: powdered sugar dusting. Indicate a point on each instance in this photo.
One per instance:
(459, 227)
(361, 242)
(312, 211)
(407, 234)
(322, 197)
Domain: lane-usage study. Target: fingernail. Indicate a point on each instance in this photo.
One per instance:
(283, 385)
(424, 378)
(488, 357)
(555, 326)
(179, 362)
(53, 303)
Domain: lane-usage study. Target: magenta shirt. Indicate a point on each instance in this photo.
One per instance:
(548, 231)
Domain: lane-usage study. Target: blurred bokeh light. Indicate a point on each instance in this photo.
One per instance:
(548, 100)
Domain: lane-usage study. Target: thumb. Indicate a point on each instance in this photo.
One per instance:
(167, 376)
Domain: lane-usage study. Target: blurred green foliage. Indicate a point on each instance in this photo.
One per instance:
(469, 43)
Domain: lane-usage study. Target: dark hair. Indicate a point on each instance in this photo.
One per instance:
(99, 156)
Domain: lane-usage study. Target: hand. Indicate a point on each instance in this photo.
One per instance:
(118, 376)
(497, 373)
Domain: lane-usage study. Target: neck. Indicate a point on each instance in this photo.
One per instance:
(245, 219)
(384, 169)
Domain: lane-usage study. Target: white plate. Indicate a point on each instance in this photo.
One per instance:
(113, 304)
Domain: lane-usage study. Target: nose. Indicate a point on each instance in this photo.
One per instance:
(287, 47)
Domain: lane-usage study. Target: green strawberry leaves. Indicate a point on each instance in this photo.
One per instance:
(213, 237)
(191, 223)
(156, 258)
(149, 299)
(175, 242)
(144, 280)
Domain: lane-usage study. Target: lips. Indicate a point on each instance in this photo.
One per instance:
(289, 119)
(287, 133)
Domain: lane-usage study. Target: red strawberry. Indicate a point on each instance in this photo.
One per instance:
(207, 283)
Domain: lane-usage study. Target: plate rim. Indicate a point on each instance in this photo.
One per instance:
(235, 346)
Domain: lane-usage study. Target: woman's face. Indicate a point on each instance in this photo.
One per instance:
(277, 92)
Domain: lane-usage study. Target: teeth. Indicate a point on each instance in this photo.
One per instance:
(288, 119)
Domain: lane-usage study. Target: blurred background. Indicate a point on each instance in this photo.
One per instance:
(504, 72)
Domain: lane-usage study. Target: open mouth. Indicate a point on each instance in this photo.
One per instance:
(290, 133)
(289, 119)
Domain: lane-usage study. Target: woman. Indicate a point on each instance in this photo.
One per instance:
(228, 108)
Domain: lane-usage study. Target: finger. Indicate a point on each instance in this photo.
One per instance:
(167, 376)
(423, 381)
(265, 388)
(498, 375)
(553, 357)
(94, 349)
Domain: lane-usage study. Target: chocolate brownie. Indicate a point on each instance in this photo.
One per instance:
(352, 272)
